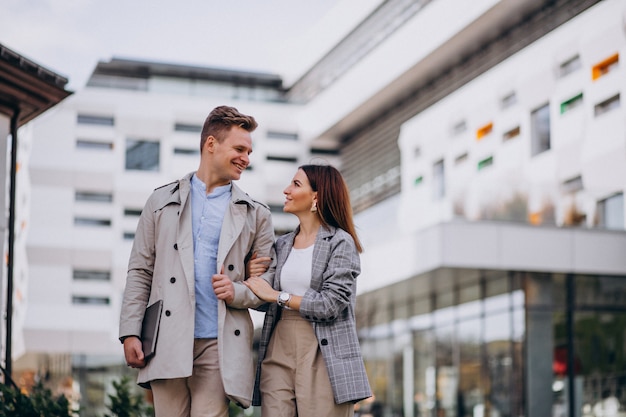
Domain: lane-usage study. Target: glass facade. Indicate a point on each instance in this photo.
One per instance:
(461, 342)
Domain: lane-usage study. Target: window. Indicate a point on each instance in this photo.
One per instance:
(417, 152)
(508, 100)
(276, 208)
(483, 131)
(461, 158)
(485, 163)
(86, 221)
(459, 127)
(128, 235)
(281, 135)
(571, 65)
(88, 119)
(511, 133)
(91, 275)
(571, 103)
(418, 180)
(142, 155)
(572, 185)
(190, 128)
(439, 186)
(93, 145)
(132, 212)
(607, 105)
(282, 158)
(604, 67)
(80, 299)
(94, 197)
(186, 151)
(324, 151)
(540, 130)
(611, 212)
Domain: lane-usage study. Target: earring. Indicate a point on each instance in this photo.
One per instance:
(314, 207)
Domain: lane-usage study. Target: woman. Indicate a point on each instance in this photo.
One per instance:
(310, 362)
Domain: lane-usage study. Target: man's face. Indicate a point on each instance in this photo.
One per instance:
(231, 156)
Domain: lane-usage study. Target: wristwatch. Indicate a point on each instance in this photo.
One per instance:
(283, 299)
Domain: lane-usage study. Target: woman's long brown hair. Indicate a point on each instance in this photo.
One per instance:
(333, 198)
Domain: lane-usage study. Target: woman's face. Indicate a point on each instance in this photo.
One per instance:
(299, 196)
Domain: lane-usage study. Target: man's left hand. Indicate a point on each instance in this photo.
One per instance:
(223, 287)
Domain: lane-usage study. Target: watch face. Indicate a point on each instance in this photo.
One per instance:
(284, 297)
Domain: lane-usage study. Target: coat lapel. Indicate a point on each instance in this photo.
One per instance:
(234, 220)
(184, 233)
(321, 254)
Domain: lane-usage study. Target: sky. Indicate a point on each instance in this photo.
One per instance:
(69, 37)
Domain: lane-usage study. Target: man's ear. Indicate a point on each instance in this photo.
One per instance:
(209, 144)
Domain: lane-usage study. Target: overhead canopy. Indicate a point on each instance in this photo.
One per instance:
(27, 87)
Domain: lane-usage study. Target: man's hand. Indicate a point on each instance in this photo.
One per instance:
(257, 266)
(223, 287)
(133, 352)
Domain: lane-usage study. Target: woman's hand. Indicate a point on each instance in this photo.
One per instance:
(262, 289)
(257, 266)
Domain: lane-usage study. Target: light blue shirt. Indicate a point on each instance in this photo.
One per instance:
(207, 214)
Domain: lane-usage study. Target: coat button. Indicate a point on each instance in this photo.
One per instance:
(237, 332)
(175, 246)
(324, 342)
(231, 267)
(168, 313)
(172, 280)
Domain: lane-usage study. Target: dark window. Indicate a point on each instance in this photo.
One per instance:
(572, 185)
(510, 134)
(129, 235)
(93, 197)
(322, 151)
(540, 130)
(142, 155)
(282, 158)
(282, 135)
(276, 208)
(461, 158)
(184, 127)
(94, 145)
(611, 212)
(459, 127)
(186, 151)
(607, 105)
(79, 299)
(508, 100)
(85, 221)
(88, 119)
(569, 66)
(439, 184)
(132, 212)
(91, 275)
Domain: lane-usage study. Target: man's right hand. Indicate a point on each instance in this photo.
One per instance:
(257, 266)
(133, 352)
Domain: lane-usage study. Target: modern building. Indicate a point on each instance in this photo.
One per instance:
(27, 90)
(484, 145)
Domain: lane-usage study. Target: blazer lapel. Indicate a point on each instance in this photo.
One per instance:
(321, 254)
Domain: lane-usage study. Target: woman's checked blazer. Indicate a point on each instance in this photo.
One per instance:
(329, 305)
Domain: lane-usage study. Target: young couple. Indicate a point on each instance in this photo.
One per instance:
(206, 249)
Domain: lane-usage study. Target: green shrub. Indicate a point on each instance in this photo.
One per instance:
(40, 403)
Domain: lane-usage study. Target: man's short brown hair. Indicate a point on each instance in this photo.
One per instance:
(221, 119)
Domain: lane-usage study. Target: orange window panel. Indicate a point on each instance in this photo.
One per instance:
(484, 131)
(604, 67)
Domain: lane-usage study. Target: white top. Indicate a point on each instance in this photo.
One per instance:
(295, 277)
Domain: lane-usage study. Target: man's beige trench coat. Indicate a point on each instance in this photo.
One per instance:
(161, 266)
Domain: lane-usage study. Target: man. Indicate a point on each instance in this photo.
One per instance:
(193, 239)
